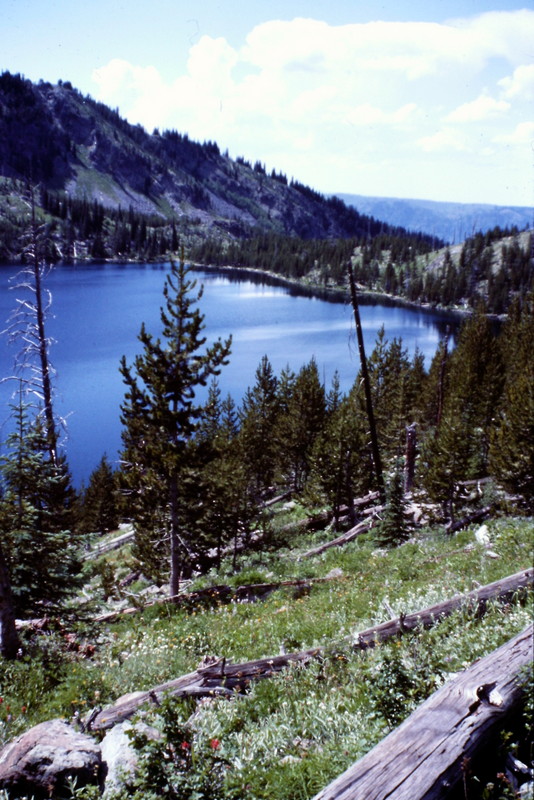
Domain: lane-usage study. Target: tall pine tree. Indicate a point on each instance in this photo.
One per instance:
(160, 411)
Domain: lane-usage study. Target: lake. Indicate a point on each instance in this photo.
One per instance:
(98, 309)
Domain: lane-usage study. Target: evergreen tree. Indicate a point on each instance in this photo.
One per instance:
(392, 529)
(512, 439)
(9, 640)
(341, 463)
(457, 449)
(160, 413)
(258, 417)
(35, 517)
(99, 507)
(300, 423)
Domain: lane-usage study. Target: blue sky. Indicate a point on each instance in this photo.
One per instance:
(419, 99)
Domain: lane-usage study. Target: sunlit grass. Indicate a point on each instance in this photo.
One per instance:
(292, 733)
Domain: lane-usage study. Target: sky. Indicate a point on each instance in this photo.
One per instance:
(429, 99)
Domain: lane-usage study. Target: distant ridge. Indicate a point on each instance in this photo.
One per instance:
(80, 149)
(452, 222)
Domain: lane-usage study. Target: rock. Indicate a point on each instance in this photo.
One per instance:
(491, 554)
(482, 535)
(118, 754)
(336, 572)
(43, 758)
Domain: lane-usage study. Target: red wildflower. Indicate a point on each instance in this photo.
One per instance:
(215, 744)
(185, 745)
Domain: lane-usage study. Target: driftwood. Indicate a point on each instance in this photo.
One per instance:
(222, 677)
(425, 758)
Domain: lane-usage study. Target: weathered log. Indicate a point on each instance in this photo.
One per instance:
(423, 758)
(112, 544)
(344, 538)
(221, 676)
(476, 516)
(476, 602)
(221, 593)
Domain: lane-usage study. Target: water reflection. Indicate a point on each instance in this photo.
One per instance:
(98, 310)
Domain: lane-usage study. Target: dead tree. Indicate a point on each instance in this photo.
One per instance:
(27, 328)
(367, 389)
(224, 678)
(425, 757)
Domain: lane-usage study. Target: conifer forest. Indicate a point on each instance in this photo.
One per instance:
(264, 589)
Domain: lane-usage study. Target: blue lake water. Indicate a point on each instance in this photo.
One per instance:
(97, 312)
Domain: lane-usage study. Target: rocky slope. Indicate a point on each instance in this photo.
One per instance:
(54, 136)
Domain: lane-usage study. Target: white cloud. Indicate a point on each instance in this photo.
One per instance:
(520, 84)
(307, 93)
(523, 134)
(367, 114)
(484, 107)
(445, 140)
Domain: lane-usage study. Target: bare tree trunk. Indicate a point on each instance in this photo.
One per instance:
(411, 448)
(176, 555)
(367, 389)
(441, 383)
(42, 341)
(9, 640)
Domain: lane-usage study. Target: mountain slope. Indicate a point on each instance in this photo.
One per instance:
(54, 136)
(452, 222)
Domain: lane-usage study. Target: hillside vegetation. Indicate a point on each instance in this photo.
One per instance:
(291, 734)
(491, 268)
(81, 151)
(373, 498)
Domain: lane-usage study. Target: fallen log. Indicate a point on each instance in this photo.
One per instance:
(475, 516)
(220, 593)
(344, 538)
(112, 544)
(425, 758)
(222, 676)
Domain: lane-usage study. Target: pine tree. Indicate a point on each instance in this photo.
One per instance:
(160, 412)
(258, 416)
(457, 448)
(99, 510)
(512, 437)
(341, 463)
(393, 529)
(300, 423)
(35, 518)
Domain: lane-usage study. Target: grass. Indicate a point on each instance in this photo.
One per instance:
(293, 733)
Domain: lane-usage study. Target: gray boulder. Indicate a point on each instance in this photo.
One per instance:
(43, 758)
(119, 757)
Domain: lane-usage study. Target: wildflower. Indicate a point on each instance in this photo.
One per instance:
(185, 745)
(215, 744)
(23, 710)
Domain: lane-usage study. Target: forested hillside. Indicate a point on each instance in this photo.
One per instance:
(492, 268)
(79, 150)
(280, 532)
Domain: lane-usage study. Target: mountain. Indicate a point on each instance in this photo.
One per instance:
(70, 144)
(452, 222)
